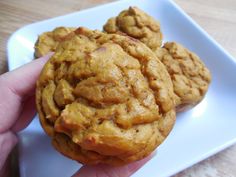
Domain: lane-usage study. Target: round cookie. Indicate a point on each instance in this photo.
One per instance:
(189, 75)
(102, 99)
(137, 24)
(48, 41)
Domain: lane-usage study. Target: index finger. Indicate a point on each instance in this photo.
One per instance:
(15, 87)
(21, 81)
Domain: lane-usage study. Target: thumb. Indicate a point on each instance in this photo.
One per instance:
(109, 171)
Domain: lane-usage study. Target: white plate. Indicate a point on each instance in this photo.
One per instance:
(198, 133)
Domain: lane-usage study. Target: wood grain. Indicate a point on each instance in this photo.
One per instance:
(217, 17)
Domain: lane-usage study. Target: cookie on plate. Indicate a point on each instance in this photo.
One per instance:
(189, 75)
(137, 24)
(192, 78)
(101, 98)
(48, 41)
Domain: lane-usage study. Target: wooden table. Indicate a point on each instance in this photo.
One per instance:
(217, 17)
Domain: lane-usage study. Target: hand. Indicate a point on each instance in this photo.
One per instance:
(17, 108)
(17, 104)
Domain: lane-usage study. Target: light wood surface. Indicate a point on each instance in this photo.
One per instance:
(217, 17)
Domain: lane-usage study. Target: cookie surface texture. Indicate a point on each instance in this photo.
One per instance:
(137, 24)
(189, 75)
(48, 41)
(102, 100)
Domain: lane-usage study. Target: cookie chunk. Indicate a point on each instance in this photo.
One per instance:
(137, 24)
(189, 75)
(48, 41)
(102, 99)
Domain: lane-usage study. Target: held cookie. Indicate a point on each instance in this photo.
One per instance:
(48, 41)
(189, 75)
(137, 24)
(102, 99)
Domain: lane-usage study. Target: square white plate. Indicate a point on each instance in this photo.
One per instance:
(198, 133)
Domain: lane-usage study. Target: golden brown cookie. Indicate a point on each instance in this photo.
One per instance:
(137, 24)
(189, 75)
(191, 79)
(48, 41)
(102, 99)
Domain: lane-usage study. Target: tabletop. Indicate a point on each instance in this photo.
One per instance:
(217, 17)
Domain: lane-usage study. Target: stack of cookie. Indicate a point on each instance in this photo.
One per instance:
(111, 97)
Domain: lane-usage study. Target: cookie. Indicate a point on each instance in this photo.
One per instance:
(48, 41)
(101, 98)
(189, 75)
(137, 24)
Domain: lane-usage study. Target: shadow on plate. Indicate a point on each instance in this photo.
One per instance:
(41, 159)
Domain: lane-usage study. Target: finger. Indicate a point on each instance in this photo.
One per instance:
(109, 171)
(15, 86)
(7, 141)
(26, 116)
(21, 81)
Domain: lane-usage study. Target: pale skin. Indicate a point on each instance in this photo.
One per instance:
(17, 108)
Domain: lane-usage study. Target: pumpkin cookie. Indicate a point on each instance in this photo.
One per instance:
(189, 75)
(102, 99)
(137, 24)
(48, 41)
(192, 78)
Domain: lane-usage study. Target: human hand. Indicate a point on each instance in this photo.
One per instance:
(17, 108)
(17, 104)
